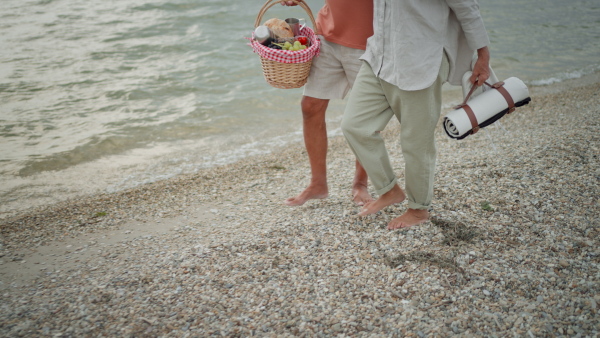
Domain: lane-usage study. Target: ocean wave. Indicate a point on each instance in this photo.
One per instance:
(570, 75)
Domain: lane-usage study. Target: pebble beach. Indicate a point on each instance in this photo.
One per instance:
(512, 247)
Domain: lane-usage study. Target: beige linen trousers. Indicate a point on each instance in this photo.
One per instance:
(371, 105)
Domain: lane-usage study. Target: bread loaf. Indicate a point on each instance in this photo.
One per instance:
(280, 28)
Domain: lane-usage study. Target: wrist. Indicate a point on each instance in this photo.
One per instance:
(483, 53)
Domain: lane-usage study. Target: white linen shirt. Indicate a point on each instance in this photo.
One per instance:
(410, 37)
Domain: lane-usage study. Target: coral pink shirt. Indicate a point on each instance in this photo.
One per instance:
(347, 23)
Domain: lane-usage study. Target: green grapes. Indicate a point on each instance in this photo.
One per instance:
(289, 46)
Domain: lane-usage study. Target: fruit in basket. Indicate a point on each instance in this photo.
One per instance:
(303, 40)
(287, 46)
(298, 46)
(276, 45)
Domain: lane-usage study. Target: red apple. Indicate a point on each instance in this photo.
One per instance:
(303, 40)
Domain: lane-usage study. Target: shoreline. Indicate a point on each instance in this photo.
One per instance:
(128, 171)
(513, 236)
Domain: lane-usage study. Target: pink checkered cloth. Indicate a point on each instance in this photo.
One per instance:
(289, 56)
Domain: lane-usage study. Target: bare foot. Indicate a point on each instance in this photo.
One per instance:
(310, 193)
(360, 195)
(409, 218)
(396, 195)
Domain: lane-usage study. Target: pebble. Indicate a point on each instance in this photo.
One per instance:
(237, 262)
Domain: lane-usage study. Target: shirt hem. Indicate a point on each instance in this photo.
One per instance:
(345, 44)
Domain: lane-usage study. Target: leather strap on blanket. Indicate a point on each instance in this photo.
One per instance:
(499, 86)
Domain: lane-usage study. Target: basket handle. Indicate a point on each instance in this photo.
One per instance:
(271, 3)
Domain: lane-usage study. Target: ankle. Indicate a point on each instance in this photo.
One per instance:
(419, 213)
(359, 185)
(317, 188)
(395, 194)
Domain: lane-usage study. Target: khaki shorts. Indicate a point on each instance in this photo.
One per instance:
(333, 72)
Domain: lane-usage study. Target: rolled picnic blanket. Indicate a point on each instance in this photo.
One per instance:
(486, 108)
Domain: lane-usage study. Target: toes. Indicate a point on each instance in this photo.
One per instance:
(393, 225)
(292, 202)
(365, 211)
(362, 201)
(398, 225)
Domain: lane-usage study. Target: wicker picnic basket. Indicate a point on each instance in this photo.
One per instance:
(287, 69)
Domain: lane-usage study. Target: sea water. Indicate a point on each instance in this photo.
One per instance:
(100, 96)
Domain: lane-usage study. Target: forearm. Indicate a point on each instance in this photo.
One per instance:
(468, 14)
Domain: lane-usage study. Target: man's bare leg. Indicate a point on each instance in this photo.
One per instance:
(410, 218)
(315, 140)
(395, 195)
(360, 192)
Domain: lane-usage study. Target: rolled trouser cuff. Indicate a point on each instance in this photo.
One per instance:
(417, 206)
(387, 187)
